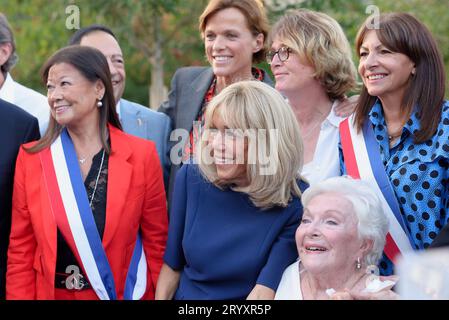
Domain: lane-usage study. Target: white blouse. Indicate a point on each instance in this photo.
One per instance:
(326, 162)
(290, 286)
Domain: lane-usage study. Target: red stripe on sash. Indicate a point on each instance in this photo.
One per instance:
(391, 249)
(56, 203)
(348, 150)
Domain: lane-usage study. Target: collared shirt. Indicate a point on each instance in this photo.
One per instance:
(419, 175)
(29, 100)
(117, 108)
(325, 163)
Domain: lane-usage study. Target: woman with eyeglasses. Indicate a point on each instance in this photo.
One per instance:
(234, 34)
(311, 61)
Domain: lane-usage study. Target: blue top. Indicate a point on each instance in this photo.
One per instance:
(419, 175)
(222, 243)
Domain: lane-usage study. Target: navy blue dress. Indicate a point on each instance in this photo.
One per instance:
(224, 245)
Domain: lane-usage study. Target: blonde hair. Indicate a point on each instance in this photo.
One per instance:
(320, 40)
(255, 106)
(255, 15)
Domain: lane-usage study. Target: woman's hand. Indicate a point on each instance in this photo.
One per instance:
(346, 107)
(167, 283)
(261, 292)
(384, 294)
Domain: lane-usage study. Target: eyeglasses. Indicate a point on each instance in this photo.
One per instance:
(283, 54)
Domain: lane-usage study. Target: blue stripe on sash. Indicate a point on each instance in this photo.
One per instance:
(87, 216)
(380, 175)
(131, 277)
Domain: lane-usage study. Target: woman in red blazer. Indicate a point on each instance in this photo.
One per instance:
(89, 211)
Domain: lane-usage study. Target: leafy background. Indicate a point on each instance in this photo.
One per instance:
(159, 36)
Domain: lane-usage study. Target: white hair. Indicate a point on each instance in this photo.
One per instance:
(372, 221)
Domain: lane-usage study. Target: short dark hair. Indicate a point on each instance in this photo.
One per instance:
(6, 36)
(79, 34)
(403, 33)
(92, 64)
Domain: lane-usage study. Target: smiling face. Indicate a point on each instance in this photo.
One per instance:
(72, 97)
(110, 48)
(327, 238)
(384, 73)
(230, 151)
(230, 45)
(294, 75)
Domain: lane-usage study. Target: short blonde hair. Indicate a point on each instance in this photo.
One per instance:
(255, 15)
(253, 105)
(320, 40)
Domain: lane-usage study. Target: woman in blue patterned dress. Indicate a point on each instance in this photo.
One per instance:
(402, 99)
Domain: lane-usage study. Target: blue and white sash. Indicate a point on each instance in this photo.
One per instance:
(363, 161)
(73, 215)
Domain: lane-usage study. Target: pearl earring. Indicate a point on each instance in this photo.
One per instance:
(99, 104)
(358, 265)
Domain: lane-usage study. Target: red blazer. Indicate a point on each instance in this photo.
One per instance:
(135, 199)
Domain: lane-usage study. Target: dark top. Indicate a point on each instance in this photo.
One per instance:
(65, 256)
(222, 243)
(16, 127)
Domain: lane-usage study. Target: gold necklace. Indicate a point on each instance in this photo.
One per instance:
(310, 131)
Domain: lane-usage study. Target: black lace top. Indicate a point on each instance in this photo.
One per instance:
(65, 256)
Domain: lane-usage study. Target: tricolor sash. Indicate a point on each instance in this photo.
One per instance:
(363, 161)
(74, 218)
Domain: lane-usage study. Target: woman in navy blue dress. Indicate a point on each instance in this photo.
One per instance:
(235, 212)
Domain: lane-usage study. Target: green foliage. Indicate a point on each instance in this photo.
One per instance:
(40, 29)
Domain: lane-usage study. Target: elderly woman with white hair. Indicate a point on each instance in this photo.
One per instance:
(234, 215)
(339, 241)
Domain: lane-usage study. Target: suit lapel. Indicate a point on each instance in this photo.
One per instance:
(191, 100)
(131, 120)
(119, 178)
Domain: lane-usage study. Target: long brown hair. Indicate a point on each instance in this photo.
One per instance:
(93, 65)
(403, 33)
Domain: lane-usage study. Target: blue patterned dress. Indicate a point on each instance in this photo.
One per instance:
(419, 174)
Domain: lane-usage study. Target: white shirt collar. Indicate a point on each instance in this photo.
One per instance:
(117, 108)
(332, 118)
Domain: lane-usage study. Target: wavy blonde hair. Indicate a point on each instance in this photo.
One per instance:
(320, 41)
(255, 106)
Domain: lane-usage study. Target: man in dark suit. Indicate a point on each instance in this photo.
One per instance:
(16, 128)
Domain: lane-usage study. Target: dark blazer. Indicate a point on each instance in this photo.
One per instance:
(185, 99)
(16, 127)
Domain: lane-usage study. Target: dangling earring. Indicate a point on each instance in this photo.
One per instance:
(99, 104)
(358, 264)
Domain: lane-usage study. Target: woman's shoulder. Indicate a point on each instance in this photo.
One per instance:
(191, 72)
(191, 172)
(120, 138)
(441, 137)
